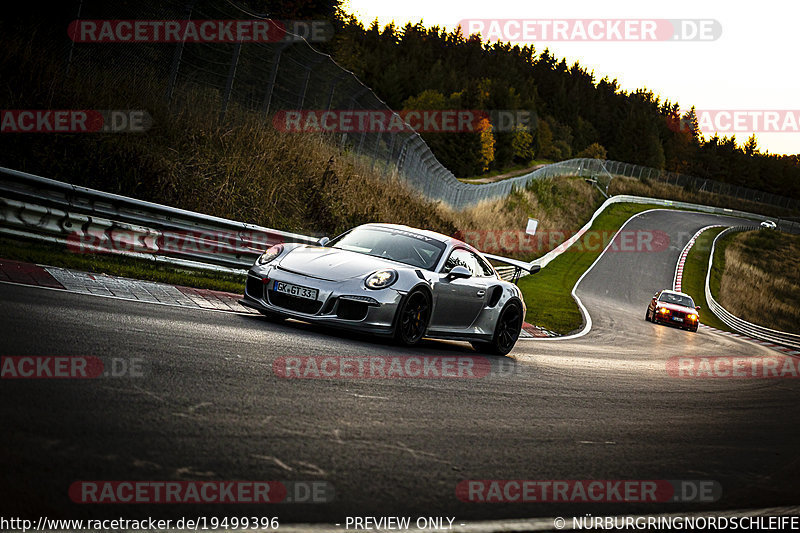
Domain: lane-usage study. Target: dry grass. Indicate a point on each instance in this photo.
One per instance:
(761, 282)
(242, 168)
(246, 170)
(562, 206)
(658, 189)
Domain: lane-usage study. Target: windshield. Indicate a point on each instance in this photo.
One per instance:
(398, 245)
(677, 299)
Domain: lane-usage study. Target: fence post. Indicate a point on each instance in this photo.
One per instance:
(72, 44)
(302, 99)
(353, 101)
(176, 57)
(330, 94)
(237, 49)
(273, 76)
(391, 148)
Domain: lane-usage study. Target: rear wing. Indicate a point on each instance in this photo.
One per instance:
(519, 266)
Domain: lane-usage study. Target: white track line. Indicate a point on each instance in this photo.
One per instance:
(587, 319)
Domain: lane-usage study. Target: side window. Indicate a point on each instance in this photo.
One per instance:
(484, 267)
(460, 257)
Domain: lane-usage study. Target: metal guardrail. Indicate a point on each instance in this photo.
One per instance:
(91, 221)
(602, 172)
(742, 326)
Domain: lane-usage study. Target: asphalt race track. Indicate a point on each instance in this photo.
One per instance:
(210, 406)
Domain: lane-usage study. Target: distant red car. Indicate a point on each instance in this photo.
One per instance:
(673, 308)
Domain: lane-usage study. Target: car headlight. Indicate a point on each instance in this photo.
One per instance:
(692, 316)
(663, 310)
(381, 279)
(270, 254)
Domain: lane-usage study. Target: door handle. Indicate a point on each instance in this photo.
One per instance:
(481, 292)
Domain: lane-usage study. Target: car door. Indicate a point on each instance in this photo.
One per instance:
(458, 302)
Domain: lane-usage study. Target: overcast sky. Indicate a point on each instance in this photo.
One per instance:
(753, 65)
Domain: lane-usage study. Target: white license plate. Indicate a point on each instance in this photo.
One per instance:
(677, 319)
(295, 290)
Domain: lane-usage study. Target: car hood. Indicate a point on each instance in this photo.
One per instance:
(332, 264)
(675, 307)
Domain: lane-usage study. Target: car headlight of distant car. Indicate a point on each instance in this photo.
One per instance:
(381, 279)
(270, 254)
(663, 310)
(692, 316)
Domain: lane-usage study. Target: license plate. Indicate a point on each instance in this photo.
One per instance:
(295, 290)
(677, 319)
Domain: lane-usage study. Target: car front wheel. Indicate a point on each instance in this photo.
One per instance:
(412, 318)
(506, 331)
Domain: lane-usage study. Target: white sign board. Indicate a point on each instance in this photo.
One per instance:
(532, 224)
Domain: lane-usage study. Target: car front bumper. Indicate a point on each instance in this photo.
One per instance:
(666, 319)
(342, 304)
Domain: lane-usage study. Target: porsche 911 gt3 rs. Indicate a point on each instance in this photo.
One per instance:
(391, 280)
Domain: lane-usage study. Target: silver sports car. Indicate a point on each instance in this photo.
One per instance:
(391, 280)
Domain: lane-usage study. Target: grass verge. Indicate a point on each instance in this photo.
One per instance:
(694, 277)
(53, 255)
(548, 293)
(755, 277)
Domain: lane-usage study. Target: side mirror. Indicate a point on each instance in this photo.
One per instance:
(535, 268)
(697, 308)
(323, 241)
(459, 272)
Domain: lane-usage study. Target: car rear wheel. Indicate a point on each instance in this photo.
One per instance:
(506, 332)
(412, 318)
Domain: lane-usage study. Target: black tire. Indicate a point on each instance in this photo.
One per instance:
(647, 315)
(412, 318)
(506, 331)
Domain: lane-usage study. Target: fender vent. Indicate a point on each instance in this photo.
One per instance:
(494, 297)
